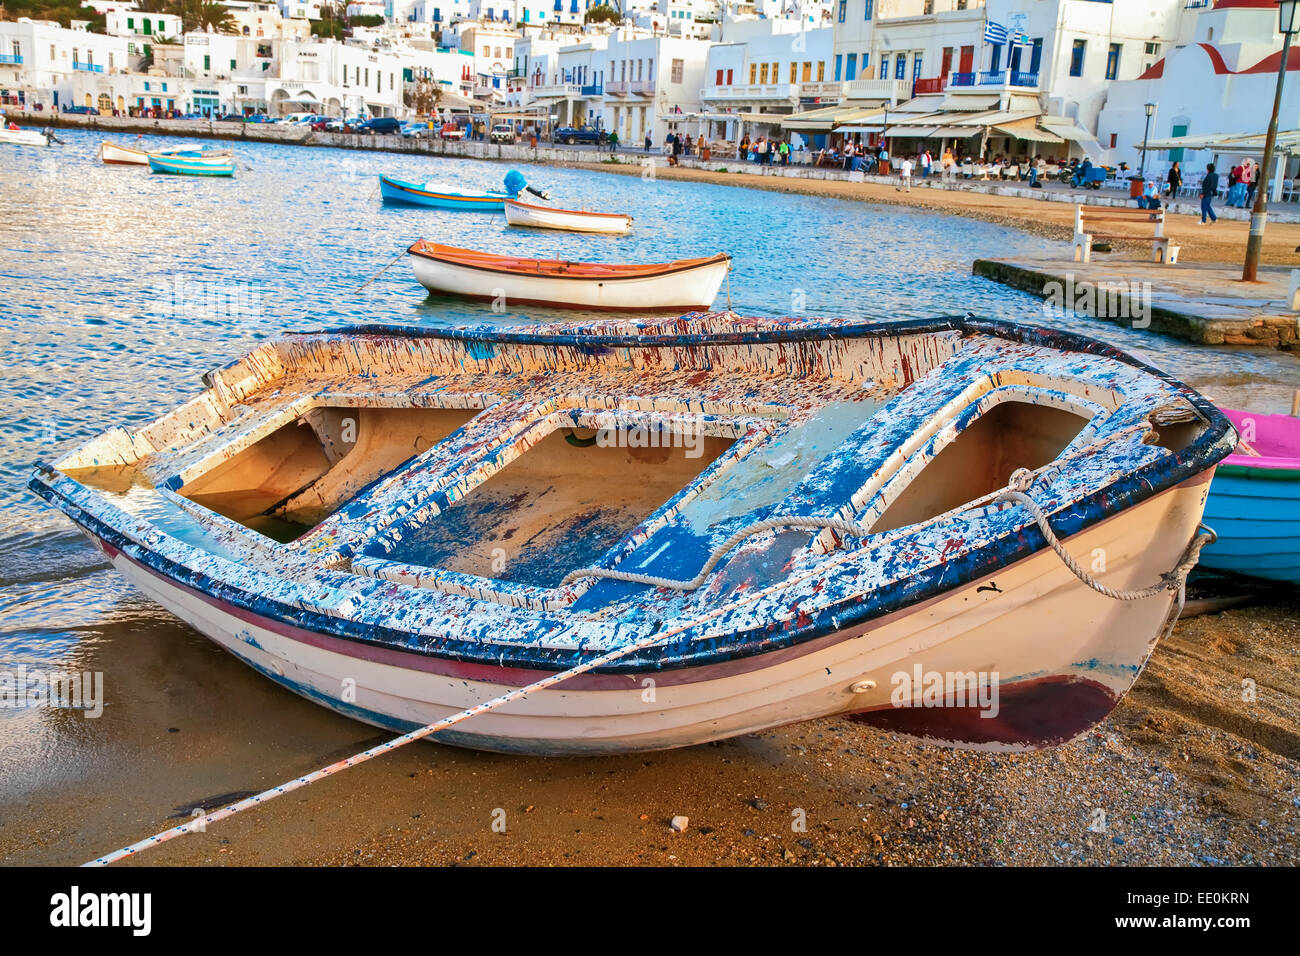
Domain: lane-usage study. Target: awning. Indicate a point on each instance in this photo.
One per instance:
(829, 118)
(516, 115)
(1067, 130)
(968, 102)
(1225, 142)
(454, 101)
(917, 132)
(1030, 134)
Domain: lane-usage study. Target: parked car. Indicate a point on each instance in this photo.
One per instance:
(502, 133)
(81, 110)
(380, 126)
(338, 125)
(230, 118)
(579, 134)
(193, 116)
(322, 123)
(416, 128)
(451, 131)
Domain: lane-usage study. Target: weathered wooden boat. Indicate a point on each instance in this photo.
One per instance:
(440, 196)
(661, 286)
(194, 163)
(572, 220)
(1254, 504)
(24, 137)
(399, 523)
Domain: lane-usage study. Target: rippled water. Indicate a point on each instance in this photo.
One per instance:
(92, 258)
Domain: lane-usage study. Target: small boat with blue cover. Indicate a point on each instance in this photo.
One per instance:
(442, 196)
(193, 163)
(737, 523)
(1254, 505)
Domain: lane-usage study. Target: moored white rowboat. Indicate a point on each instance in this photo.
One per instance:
(23, 137)
(683, 284)
(571, 220)
(116, 155)
(835, 490)
(193, 163)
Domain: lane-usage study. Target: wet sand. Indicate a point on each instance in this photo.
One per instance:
(1221, 242)
(1184, 773)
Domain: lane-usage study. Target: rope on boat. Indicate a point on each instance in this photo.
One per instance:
(1173, 580)
(379, 273)
(200, 825)
(850, 529)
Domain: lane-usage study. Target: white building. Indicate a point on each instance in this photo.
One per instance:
(649, 81)
(1218, 85)
(42, 63)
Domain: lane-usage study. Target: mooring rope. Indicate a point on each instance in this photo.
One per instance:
(1173, 580)
(379, 273)
(200, 824)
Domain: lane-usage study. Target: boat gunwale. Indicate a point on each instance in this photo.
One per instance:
(649, 270)
(488, 195)
(569, 212)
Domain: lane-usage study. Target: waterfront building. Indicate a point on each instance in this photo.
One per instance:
(1211, 90)
(47, 65)
(651, 84)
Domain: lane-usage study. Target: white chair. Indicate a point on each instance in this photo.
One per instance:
(1288, 190)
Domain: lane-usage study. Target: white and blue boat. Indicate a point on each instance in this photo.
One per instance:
(737, 523)
(1254, 504)
(193, 163)
(441, 196)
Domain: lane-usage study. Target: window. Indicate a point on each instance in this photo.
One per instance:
(844, 9)
(794, 71)
(678, 67)
(821, 71)
(839, 63)
(806, 75)
(869, 8)
(884, 67)
(729, 80)
(1176, 155)
(995, 63)
(762, 74)
(1076, 57)
(207, 63)
(851, 67)
(717, 80)
(1114, 139)
(753, 73)
(130, 24)
(487, 51)
(1152, 49)
(917, 60)
(900, 66)
(1112, 61)
(232, 64)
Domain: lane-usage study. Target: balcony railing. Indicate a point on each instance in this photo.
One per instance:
(557, 89)
(87, 67)
(10, 59)
(616, 87)
(641, 86)
(756, 91)
(963, 79)
(593, 89)
(822, 90)
(931, 85)
(893, 90)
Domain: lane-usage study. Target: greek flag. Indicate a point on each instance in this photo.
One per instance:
(995, 33)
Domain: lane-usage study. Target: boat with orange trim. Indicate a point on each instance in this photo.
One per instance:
(571, 220)
(681, 284)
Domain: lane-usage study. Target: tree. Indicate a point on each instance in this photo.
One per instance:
(605, 13)
(425, 98)
(200, 15)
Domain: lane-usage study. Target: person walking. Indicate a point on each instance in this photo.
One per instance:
(649, 142)
(927, 163)
(949, 165)
(1236, 189)
(1174, 181)
(613, 142)
(1209, 189)
(1250, 179)
(905, 179)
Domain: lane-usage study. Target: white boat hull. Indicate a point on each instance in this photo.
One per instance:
(23, 137)
(1031, 625)
(116, 155)
(524, 214)
(691, 288)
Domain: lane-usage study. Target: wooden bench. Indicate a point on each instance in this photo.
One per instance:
(1085, 216)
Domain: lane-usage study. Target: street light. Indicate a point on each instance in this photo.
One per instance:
(1151, 111)
(1288, 24)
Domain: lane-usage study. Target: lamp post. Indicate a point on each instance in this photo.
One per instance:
(1151, 111)
(1288, 24)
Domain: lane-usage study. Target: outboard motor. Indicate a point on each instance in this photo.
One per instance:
(515, 184)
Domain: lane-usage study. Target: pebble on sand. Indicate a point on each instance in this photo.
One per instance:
(679, 823)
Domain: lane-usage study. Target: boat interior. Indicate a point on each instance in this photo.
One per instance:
(463, 465)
